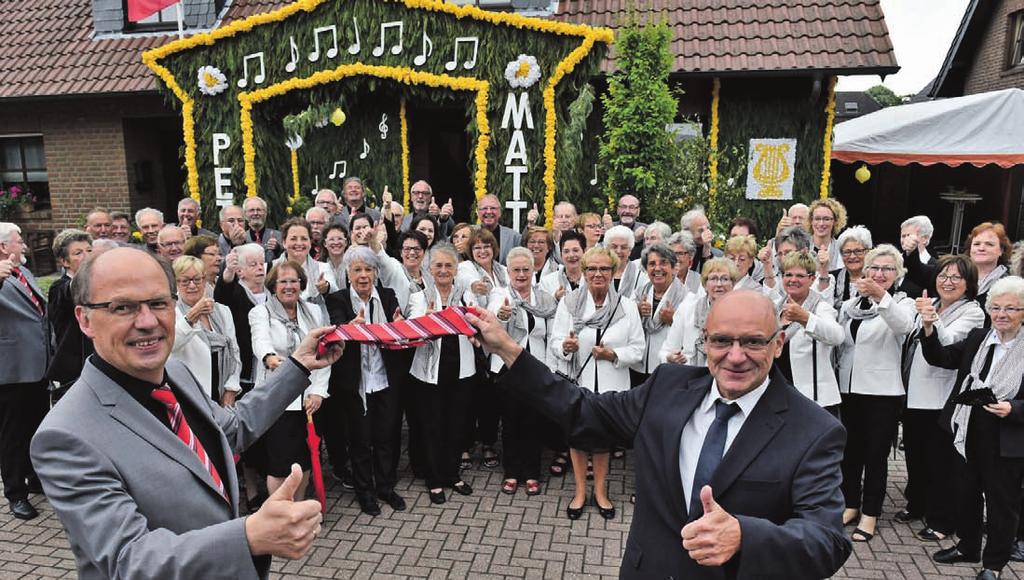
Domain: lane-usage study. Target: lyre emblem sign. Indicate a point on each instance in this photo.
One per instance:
(771, 169)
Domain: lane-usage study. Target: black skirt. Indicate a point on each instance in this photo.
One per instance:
(286, 444)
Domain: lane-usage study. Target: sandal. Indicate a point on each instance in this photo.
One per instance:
(860, 535)
(465, 462)
(618, 454)
(490, 460)
(558, 465)
(590, 469)
(532, 487)
(509, 486)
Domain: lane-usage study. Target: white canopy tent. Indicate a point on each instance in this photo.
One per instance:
(982, 129)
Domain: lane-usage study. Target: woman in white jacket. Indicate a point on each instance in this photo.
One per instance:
(278, 326)
(876, 322)
(596, 336)
(812, 331)
(657, 301)
(204, 334)
(684, 344)
(297, 240)
(928, 445)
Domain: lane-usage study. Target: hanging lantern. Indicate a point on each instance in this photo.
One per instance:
(338, 117)
(863, 174)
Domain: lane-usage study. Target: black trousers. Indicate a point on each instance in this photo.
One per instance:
(373, 442)
(254, 456)
(441, 412)
(870, 422)
(332, 425)
(929, 452)
(482, 421)
(998, 479)
(521, 439)
(22, 408)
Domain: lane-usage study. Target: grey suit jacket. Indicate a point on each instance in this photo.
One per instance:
(134, 500)
(509, 239)
(344, 215)
(24, 333)
(446, 226)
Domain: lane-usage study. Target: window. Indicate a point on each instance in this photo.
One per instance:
(23, 163)
(1016, 37)
(165, 19)
(851, 107)
(194, 14)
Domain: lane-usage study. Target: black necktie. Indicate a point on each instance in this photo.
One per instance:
(988, 362)
(711, 454)
(531, 322)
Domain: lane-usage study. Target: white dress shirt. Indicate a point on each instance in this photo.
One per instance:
(697, 426)
(372, 374)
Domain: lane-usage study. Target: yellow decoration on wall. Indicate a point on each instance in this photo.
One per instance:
(589, 34)
(404, 119)
(863, 174)
(338, 117)
(830, 117)
(295, 176)
(716, 89)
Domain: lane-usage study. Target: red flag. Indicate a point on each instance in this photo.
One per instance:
(142, 9)
(313, 440)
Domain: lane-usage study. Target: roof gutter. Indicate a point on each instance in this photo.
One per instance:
(954, 48)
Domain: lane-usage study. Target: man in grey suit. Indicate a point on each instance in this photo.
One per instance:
(488, 211)
(134, 498)
(25, 350)
(354, 201)
(421, 198)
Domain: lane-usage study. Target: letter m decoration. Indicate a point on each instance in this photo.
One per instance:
(142, 9)
(275, 82)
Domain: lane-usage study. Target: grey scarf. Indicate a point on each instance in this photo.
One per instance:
(994, 276)
(544, 307)
(303, 311)
(223, 347)
(375, 315)
(673, 297)
(1003, 378)
(427, 357)
(601, 319)
(700, 320)
(854, 308)
(630, 277)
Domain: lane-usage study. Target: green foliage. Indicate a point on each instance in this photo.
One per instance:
(636, 152)
(884, 96)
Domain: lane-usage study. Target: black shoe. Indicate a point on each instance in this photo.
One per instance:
(437, 497)
(368, 505)
(904, 516)
(23, 510)
(394, 500)
(933, 536)
(953, 556)
(987, 575)
(462, 488)
(574, 513)
(35, 486)
(1017, 552)
(606, 513)
(344, 477)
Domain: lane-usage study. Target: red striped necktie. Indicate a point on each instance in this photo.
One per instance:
(28, 288)
(404, 333)
(180, 427)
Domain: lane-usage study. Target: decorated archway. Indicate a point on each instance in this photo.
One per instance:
(282, 103)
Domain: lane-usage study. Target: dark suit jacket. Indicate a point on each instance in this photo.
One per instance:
(72, 347)
(919, 277)
(959, 356)
(346, 373)
(780, 477)
(232, 295)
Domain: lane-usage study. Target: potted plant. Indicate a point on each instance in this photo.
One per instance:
(12, 200)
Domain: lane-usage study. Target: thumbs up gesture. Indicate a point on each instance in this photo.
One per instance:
(360, 318)
(433, 209)
(284, 527)
(784, 222)
(606, 220)
(447, 209)
(386, 198)
(532, 216)
(602, 352)
(715, 538)
(792, 311)
(505, 312)
(644, 306)
(667, 313)
(322, 286)
(926, 308)
(397, 316)
(570, 344)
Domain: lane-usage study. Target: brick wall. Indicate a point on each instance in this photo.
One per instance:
(988, 71)
(84, 143)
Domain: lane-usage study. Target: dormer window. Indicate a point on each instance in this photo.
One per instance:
(163, 19)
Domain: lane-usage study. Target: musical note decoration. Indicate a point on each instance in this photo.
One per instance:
(335, 173)
(294, 62)
(428, 49)
(356, 46)
(594, 181)
(331, 52)
(366, 149)
(257, 78)
(468, 63)
(396, 48)
(383, 126)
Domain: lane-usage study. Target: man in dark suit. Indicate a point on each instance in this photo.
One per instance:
(354, 202)
(421, 199)
(25, 352)
(136, 499)
(488, 211)
(188, 213)
(737, 474)
(257, 232)
(915, 235)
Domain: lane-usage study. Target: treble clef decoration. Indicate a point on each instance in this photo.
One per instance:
(383, 127)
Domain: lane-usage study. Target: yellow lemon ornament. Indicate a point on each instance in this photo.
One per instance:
(338, 117)
(862, 174)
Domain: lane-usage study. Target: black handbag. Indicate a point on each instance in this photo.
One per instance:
(976, 397)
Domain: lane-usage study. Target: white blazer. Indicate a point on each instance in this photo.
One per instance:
(313, 270)
(550, 283)
(654, 340)
(683, 334)
(820, 336)
(930, 386)
(190, 349)
(269, 336)
(550, 265)
(467, 361)
(467, 274)
(625, 337)
(872, 365)
(538, 337)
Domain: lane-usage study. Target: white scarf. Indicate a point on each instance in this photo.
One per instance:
(1004, 378)
(220, 344)
(601, 319)
(426, 366)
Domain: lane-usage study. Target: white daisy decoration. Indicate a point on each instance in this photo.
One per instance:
(212, 81)
(523, 72)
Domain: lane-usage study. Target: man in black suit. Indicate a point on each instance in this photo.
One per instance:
(915, 235)
(737, 474)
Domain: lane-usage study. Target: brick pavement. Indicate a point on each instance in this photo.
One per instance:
(486, 535)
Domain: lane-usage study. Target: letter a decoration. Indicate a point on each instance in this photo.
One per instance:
(771, 168)
(142, 9)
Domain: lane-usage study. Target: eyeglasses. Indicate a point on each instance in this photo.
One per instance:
(795, 275)
(881, 270)
(598, 269)
(420, 192)
(747, 343)
(131, 308)
(719, 279)
(955, 278)
(593, 226)
(848, 253)
(412, 250)
(631, 206)
(186, 282)
(172, 244)
(1010, 310)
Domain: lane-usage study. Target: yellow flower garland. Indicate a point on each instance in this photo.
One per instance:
(295, 176)
(830, 117)
(405, 154)
(402, 75)
(589, 34)
(716, 89)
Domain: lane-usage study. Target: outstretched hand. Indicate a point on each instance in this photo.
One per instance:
(492, 336)
(306, 353)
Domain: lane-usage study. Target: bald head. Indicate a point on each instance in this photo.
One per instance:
(743, 339)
